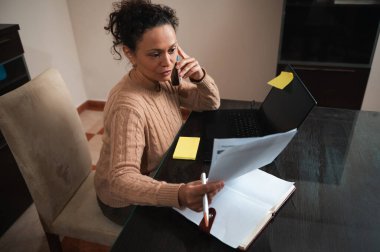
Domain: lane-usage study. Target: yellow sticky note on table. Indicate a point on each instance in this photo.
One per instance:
(186, 148)
(282, 80)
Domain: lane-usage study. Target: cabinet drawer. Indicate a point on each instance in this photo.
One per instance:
(10, 46)
(16, 75)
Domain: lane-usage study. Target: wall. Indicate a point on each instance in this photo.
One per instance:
(48, 40)
(236, 41)
(100, 70)
(371, 97)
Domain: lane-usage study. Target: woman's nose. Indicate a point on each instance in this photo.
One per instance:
(167, 60)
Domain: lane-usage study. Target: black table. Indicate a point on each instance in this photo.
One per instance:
(334, 161)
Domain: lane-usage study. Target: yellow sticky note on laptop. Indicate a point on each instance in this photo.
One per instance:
(186, 148)
(282, 80)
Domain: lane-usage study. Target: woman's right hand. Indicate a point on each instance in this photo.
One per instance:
(190, 195)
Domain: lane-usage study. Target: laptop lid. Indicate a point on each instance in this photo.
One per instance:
(286, 109)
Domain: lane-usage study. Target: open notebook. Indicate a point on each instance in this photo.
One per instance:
(244, 207)
(250, 197)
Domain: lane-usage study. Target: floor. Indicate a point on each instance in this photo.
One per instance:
(26, 234)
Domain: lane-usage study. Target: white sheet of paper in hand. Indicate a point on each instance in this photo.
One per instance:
(245, 154)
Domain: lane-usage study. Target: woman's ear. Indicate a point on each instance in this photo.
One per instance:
(129, 54)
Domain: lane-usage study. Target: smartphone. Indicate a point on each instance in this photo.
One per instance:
(176, 80)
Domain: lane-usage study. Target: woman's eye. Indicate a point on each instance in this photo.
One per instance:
(154, 55)
(172, 50)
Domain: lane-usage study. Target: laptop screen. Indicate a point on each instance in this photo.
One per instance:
(286, 109)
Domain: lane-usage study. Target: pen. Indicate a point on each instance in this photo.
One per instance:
(205, 202)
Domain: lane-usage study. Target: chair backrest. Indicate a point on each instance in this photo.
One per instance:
(44, 132)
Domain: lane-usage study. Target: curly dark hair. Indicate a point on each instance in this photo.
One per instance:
(131, 18)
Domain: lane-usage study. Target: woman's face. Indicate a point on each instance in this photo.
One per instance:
(156, 53)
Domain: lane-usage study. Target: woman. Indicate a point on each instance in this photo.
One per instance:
(142, 114)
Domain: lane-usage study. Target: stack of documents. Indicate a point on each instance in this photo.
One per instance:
(250, 197)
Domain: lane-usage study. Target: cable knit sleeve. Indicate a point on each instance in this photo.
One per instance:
(198, 96)
(127, 184)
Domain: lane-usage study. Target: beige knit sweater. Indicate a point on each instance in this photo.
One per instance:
(139, 127)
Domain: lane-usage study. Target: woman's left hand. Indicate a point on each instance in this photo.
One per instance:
(189, 67)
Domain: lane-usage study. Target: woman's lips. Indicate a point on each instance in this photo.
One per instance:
(166, 73)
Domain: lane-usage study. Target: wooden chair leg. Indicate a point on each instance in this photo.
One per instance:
(54, 242)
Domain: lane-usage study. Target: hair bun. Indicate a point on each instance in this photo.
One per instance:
(131, 18)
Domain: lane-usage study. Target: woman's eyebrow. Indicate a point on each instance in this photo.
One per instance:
(160, 50)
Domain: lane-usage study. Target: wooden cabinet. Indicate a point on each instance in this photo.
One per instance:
(14, 194)
(11, 59)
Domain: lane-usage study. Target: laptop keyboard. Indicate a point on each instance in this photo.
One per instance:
(244, 123)
(236, 123)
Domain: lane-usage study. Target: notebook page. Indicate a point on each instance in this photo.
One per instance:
(262, 186)
(237, 217)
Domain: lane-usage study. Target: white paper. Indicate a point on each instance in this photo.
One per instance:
(250, 196)
(262, 186)
(234, 157)
(244, 206)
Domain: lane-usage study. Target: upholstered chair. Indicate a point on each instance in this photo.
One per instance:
(44, 132)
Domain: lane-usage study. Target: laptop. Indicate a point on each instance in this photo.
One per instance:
(281, 111)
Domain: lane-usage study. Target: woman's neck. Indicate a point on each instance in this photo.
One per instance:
(140, 79)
